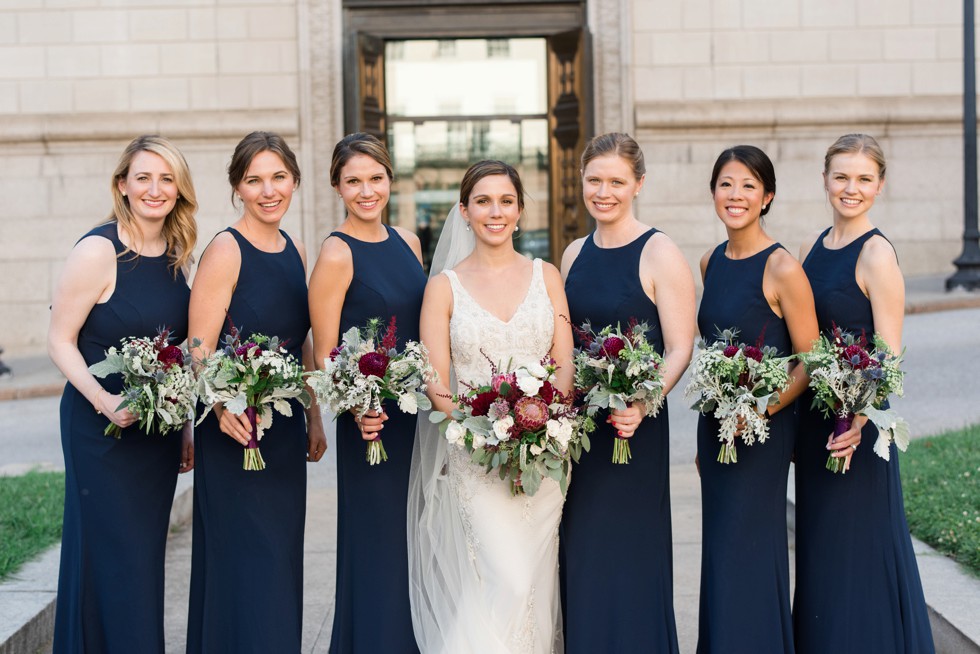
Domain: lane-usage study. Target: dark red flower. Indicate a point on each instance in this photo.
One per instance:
(247, 350)
(373, 363)
(171, 355)
(613, 345)
(390, 339)
(752, 352)
(857, 357)
(730, 351)
(530, 413)
(481, 403)
(547, 392)
(334, 352)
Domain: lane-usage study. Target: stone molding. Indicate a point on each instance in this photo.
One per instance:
(177, 125)
(609, 23)
(936, 111)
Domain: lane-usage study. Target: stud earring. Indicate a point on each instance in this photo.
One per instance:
(124, 193)
(765, 206)
(517, 228)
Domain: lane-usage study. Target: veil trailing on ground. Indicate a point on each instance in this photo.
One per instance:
(436, 556)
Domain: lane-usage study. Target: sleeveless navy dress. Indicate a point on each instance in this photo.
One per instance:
(372, 611)
(118, 493)
(857, 583)
(744, 604)
(246, 590)
(616, 560)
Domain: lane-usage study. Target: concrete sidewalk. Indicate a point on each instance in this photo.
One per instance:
(943, 353)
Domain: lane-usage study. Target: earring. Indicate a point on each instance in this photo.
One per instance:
(636, 195)
(124, 193)
(765, 206)
(467, 227)
(517, 228)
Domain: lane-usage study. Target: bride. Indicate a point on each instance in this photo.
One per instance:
(483, 564)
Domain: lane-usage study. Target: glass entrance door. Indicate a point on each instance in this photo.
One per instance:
(450, 103)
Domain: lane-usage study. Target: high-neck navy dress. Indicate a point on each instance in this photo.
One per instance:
(372, 611)
(857, 583)
(246, 590)
(118, 492)
(616, 560)
(744, 605)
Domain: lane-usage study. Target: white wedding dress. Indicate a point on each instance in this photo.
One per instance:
(490, 582)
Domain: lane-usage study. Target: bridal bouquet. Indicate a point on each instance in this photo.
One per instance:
(158, 385)
(737, 383)
(254, 377)
(364, 370)
(520, 424)
(614, 369)
(850, 376)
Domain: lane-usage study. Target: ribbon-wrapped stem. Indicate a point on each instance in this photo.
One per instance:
(253, 457)
(842, 422)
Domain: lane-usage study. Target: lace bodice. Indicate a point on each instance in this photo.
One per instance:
(475, 332)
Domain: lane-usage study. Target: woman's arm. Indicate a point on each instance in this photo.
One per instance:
(787, 286)
(316, 439)
(562, 344)
(665, 269)
(214, 284)
(89, 277)
(332, 276)
(437, 308)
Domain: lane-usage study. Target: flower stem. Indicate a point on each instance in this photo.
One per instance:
(842, 422)
(621, 451)
(376, 452)
(253, 457)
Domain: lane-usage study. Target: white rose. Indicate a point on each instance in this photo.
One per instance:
(408, 403)
(455, 433)
(528, 383)
(502, 427)
(479, 440)
(561, 431)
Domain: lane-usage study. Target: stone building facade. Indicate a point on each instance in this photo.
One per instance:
(80, 78)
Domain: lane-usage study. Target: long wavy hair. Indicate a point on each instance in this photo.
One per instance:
(179, 227)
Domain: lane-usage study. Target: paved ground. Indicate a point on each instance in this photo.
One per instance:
(943, 355)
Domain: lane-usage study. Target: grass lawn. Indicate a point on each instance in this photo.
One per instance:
(941, 485)
(31, 507)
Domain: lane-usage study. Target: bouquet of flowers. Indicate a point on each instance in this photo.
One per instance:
(850, 376)
(520, 424)
(158, 385)
(614, 369)
(737, 382)
(254, 377)
(364, 370)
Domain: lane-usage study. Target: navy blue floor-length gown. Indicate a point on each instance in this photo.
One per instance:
(616, 559)
(118, 492)
(857, 583)
(372, 611)
(246, 590)
(744, 604)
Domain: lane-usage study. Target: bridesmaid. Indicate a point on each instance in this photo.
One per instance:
(124, 278)
(857, 584)
(752, 284)
(623, 270)
(246, 590)
(367, 269)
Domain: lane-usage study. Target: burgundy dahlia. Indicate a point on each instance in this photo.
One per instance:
(530, 413)
(334, 352)
(373, 363)
(481, 403)
(171, 355)
(730, 351)
(752, 352)
(613, 345)
(547, 392)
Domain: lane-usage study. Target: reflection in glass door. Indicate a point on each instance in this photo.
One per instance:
(451, 103)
